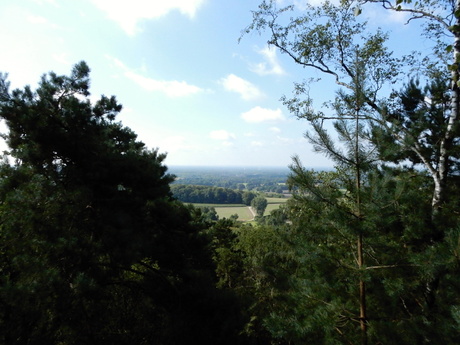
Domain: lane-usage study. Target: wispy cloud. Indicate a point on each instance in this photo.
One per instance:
(256, 143)
(222, 134)
(259, 114)
(226, 138)
(270, 65)
(62, 58)
(174, 144)
(244, 88)
(274, 129)
(315, 2)
(42, 2)
(39, 20)
(171, 88)
(36, 19)
(284, 140)
(128, 13)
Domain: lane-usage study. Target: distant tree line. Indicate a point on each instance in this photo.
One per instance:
(211, 195)
(274, 182)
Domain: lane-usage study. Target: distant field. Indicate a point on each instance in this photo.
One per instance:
(271, 207)
(227, 210)
(220, 205)
(243, 212)
(277, 200)
(273, 204)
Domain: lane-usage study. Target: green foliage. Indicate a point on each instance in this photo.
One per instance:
(254, 262)
(93, 249)
(373, 246)
(259, 204)
(420, 113)
(327, 38)
(210, 195)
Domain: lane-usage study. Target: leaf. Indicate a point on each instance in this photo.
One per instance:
(358, 11)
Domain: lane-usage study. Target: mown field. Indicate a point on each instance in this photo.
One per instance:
(243, 212)
(274, 203)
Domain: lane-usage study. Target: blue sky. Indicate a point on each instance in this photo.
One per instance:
(187, 86)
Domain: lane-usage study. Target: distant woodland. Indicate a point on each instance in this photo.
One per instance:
(236, 178)
(211, 195)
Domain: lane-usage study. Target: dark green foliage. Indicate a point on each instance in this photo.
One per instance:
(210, 195)
(300, 280)
(277, 218)
(93, 249)
(205, 214)
(420, 114)
(375, 257)
(259, 204)
(256, 263)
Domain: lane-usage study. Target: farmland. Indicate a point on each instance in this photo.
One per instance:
(274, 203)
(228, 189)
(244, 213)
(225, 211)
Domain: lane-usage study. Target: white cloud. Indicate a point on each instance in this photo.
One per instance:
(226, 138)
(378, 16)
(227, 144)
(397, 17)
(316, 2)
(271, 65)
(246, 89)
(257, 143)
(259, 114)
(284, 140)
(62, 58)
(128, 13)
(174, 143)
(36, 19)
(42, 2)
(274, 129)
(222, 135)
(39, 20)
(171, 88)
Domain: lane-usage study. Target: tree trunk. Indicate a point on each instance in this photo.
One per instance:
(439, 194)
(362, 286)
(362, 294)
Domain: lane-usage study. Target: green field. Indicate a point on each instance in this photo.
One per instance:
(225, 211)
(273, 204)
(277, 200)
(242, 211)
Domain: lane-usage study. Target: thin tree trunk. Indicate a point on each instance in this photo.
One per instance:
(439, 194)
(362, 286)
(362, 294)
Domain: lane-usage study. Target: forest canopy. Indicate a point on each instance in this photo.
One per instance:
(93, 248)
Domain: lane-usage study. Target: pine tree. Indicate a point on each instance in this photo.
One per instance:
(366, 268)
(404, 218)
(93, 249)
